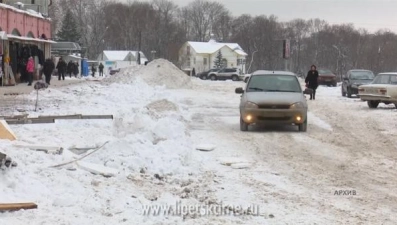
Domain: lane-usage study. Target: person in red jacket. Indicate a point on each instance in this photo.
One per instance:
(30, 70)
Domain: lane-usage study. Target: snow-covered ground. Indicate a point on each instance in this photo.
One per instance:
(277, 175)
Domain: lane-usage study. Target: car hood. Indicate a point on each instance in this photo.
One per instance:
(278, 98)
(361, 81)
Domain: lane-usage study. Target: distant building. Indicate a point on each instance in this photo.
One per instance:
(202, 55)
(23, 32)
(120, 59)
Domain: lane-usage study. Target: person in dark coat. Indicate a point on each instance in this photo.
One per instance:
(194, 72)
(48, 69)
(93, 70)
(61, 66)
(100, 67)
(312, 81)
(75, 68)
(70, 68)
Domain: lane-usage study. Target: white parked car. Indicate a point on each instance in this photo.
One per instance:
(383, 89)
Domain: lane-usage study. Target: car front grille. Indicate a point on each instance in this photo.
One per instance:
(274, 106)
(284, 118)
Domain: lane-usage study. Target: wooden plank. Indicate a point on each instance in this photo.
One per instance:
(46, 149)
(30, 121)
(94, 117)
(17, 206)
(6, 132)
(77, 116)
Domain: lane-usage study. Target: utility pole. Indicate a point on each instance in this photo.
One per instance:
(139, 48)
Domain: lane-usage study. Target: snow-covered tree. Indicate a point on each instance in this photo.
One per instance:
(69, 30)
(218, 60)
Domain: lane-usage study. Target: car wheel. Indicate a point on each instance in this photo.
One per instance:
(243, 125)
(303, 126)
(204, 77)
(343, 93)
(373, 104)
(213, 77)
(234, 78)
(349, 92)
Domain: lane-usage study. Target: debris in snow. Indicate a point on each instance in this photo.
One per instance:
(63, 164)
(6, 132)
(162, 105)
(17, 206)
(159, 72)
(97, 169)
(240, 165)
(206, 148)
(6, 161)
(230, 160)
(56, 150)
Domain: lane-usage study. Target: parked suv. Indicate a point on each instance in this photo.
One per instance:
(204, 75)
(224, 74)
(354, 79)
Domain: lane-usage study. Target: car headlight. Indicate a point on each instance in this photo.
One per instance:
(297, 105)
(250, 105)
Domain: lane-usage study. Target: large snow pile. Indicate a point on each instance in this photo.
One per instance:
(159, 72)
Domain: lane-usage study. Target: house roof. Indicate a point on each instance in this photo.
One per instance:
(120, 55)
(65, 46)
(213, 46)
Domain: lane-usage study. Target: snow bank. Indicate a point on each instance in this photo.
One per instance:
(159, 72)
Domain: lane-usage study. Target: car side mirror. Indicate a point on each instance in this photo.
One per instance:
(308, 91)
(239, 90)
(246, 80)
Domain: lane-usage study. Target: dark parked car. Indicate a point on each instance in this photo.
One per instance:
(204, 75)
(114, 71)
(326, 77)
(354, 79)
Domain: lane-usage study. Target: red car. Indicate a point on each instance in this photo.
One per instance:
(112, 72)
(326, 77)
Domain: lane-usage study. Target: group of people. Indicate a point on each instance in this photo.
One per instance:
(93, 70)
(69, 68)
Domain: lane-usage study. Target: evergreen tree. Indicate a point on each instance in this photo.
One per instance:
(69, 30)
(218, 60)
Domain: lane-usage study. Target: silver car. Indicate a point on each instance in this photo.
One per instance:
(273, 97)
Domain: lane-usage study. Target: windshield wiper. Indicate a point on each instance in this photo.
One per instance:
(256, 89)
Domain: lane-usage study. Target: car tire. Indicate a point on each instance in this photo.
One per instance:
(213, 77)
(349, 92)
(343, 93)
(303, 127)
(235, 78)
(373, 104)
(243, 125)
(204, 77)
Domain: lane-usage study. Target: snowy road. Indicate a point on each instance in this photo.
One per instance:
(295, 175)
(341, 171)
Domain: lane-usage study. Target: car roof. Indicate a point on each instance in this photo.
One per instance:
(360, 70)
(388, 73)
(271, 72)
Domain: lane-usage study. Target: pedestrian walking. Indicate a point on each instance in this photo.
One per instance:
(61, 67)
(70, 68)
(312, 81)
(75, 69)
(48, 69)
(30, 70)
(100, 67)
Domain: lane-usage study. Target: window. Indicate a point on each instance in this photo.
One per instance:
(382, 79)
(188, 62)
(205, 61)
(224, 62)
(361, 75)
(194, 61)
(188, 50)
(274, 83)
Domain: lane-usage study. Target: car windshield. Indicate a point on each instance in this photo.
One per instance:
(325, 72)
(361, 75)
(385, 79)
(274, 83)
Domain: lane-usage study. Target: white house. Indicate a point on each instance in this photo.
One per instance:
(202, 55)
(120, 59)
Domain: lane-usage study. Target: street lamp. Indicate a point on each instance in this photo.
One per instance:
(337, 61)
(153, 54)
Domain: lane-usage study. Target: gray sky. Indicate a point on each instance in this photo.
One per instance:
(369, 14)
